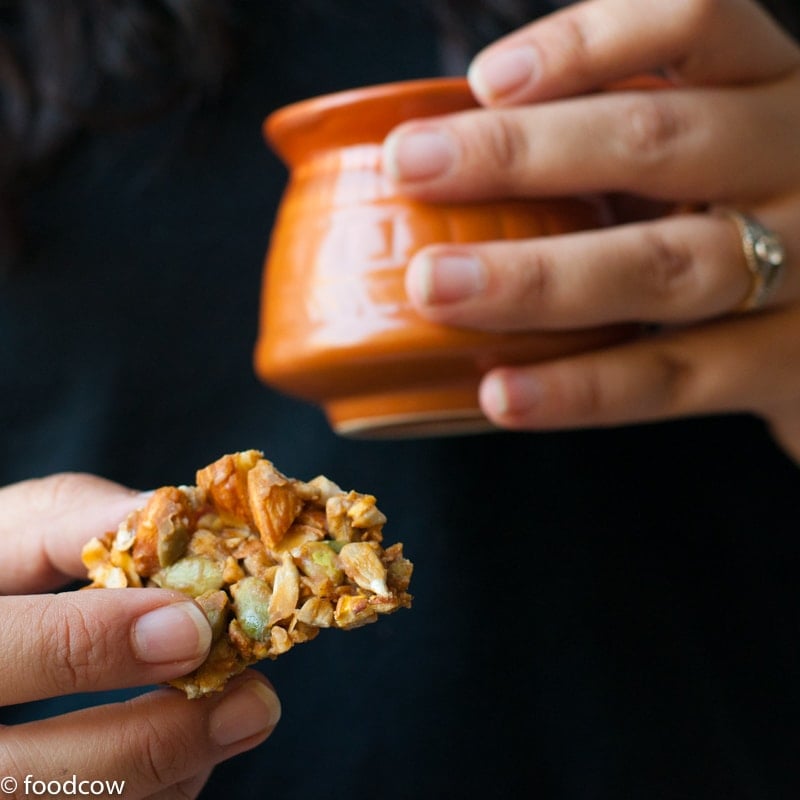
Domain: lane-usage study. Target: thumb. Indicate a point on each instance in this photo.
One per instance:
(97, 639)
(44, 523)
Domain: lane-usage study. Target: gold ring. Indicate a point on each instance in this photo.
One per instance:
(765, 257)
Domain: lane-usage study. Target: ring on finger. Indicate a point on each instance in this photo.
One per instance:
(765, 257)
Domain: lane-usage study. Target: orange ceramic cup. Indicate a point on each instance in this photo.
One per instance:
(336, 327)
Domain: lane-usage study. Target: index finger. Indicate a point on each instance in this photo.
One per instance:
(597, 42)
(97, 640)
(44, 522)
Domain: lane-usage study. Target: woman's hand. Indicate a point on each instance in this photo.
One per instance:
(724, 135)
(159, 744)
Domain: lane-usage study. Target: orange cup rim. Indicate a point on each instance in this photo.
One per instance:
(365, 94)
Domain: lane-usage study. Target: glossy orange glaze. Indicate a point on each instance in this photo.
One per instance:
(336, 326)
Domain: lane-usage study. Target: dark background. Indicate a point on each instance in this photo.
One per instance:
(598, 614)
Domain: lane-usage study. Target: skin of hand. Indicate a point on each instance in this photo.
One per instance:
(725, 133)
(161, 744)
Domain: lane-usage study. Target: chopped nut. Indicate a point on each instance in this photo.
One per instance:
(216, 607)
(162, 530)
(326, 488)
(223, 662)
(194, 575)
(126, 536)
(110, 577)
(398, 569)
(251, 604)
(362, 565)
(303, 632)
(285, 591)
(305, 491)
(316, 611)
(94, 554)
(280, 641)
(296, 535)
(339, 524)
(270, 559)
(319, 564)
(273, 502)
(225, 482)
(124, 560)
(353, 611)
(249, 649)
(364, 512)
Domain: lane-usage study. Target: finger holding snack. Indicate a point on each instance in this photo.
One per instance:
(271, 560)
(85, 641)
(552, 126)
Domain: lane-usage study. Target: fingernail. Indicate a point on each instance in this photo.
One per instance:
(419, 154)
(507, 393)
(445, 278)
(250, 710)
(178, 632)
(499, 74)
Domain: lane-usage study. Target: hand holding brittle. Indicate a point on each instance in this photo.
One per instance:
(270, 559)
(90, 641)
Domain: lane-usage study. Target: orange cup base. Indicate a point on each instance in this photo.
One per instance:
(419, 412)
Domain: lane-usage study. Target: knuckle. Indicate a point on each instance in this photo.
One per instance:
(504, 144)
(570, 45)
(667, 267)
(650, 128)
(589, 398)
(534, 285)
(160, 753)
(690, 19)
(79, 653)
(673, 383)
(579, 394)
(664, 385)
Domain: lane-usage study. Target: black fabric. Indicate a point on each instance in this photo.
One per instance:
(598, 615)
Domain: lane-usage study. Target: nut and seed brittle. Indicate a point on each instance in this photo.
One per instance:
(269, 559)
